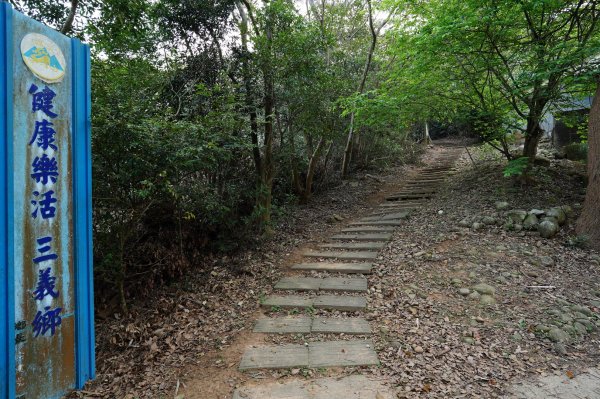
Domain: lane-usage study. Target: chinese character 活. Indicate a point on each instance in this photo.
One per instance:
(44, 135)
(42, 101)
(44, 168)
(45, 205)
(45, 286)
(46, 321)
(44, 249)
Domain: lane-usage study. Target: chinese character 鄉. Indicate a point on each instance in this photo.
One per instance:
(48, 321)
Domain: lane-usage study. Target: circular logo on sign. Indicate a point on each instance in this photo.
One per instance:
(43, 57)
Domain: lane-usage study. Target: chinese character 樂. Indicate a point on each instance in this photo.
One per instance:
(44, 168)
(42, 100)
(46, 321)
(43, 249)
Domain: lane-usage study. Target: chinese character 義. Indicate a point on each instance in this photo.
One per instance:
(46, 285)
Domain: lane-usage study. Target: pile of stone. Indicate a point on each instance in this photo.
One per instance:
(546, 221)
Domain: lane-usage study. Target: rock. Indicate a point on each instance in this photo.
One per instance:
(531, 222)
(588, 324)
(546, 261)
(557, 213)
(517, 215)
(532, 273)
(541, 328)
(477, 226)
(582, 309)
(456, 282)
(489, 220)
(500, 205)
(474, 296)
(567, 210)
(418, 349)
(581, 329)
(464, 223)
(560, 349)
(484, 289)
(337, 217)
(555, 312)
(548, 229)
(464, 291)
(558, 335)
(517, 227)
(474, 275)
(579, 315)
(565, 318)
(541, 161)
(487, 300)
(517, 337)
(537, 212)
(569, 329)
(468, 340)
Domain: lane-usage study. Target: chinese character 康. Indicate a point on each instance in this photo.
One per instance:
(42, 101)
(45, 286)
(44, 135)
(44, 249)
(46, 321)
(47, 210)
(44, 168)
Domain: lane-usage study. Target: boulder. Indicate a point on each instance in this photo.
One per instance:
(484, 289)
(558, 214)
(531, 222)
(487, 300)
(537, 212)
(477, 226)
(500, 205)
(489, 220)
(558, 335)
(548, 229)
(517, 215)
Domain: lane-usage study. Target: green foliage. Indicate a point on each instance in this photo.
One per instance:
(576, 151)
(516, 167)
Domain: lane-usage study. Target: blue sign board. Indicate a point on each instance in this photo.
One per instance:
(46, 291)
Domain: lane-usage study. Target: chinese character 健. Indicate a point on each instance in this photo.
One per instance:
(42, 101)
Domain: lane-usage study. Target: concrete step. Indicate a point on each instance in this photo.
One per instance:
(362, 237)
(350, 268)
(358, 255)
(367, 229)
(313, 355)
(352, 387)
(322, 284)
(354, 245)
(378, 223)
(317, 325)
(331, 302)
(389, 216)
(397, 197)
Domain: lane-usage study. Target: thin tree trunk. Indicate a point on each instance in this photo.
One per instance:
(588, 223)
(312, 166)
(68, 25)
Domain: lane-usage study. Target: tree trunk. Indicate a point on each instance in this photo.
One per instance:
(312, 166)
(427, 137)
(532, 138)
(588, 223)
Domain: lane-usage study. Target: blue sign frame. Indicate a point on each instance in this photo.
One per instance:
(82, 212)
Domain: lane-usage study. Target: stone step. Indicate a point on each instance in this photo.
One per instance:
(322, 284)
(358, 255)
(352, 387)
(378, 223)
(367, 229)
(402, 205)
(317, 325)
(389, 216)
(354, 245)
(362, 237)
(407, 196)
(313, 355)
(357, 268)
(331, 302)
